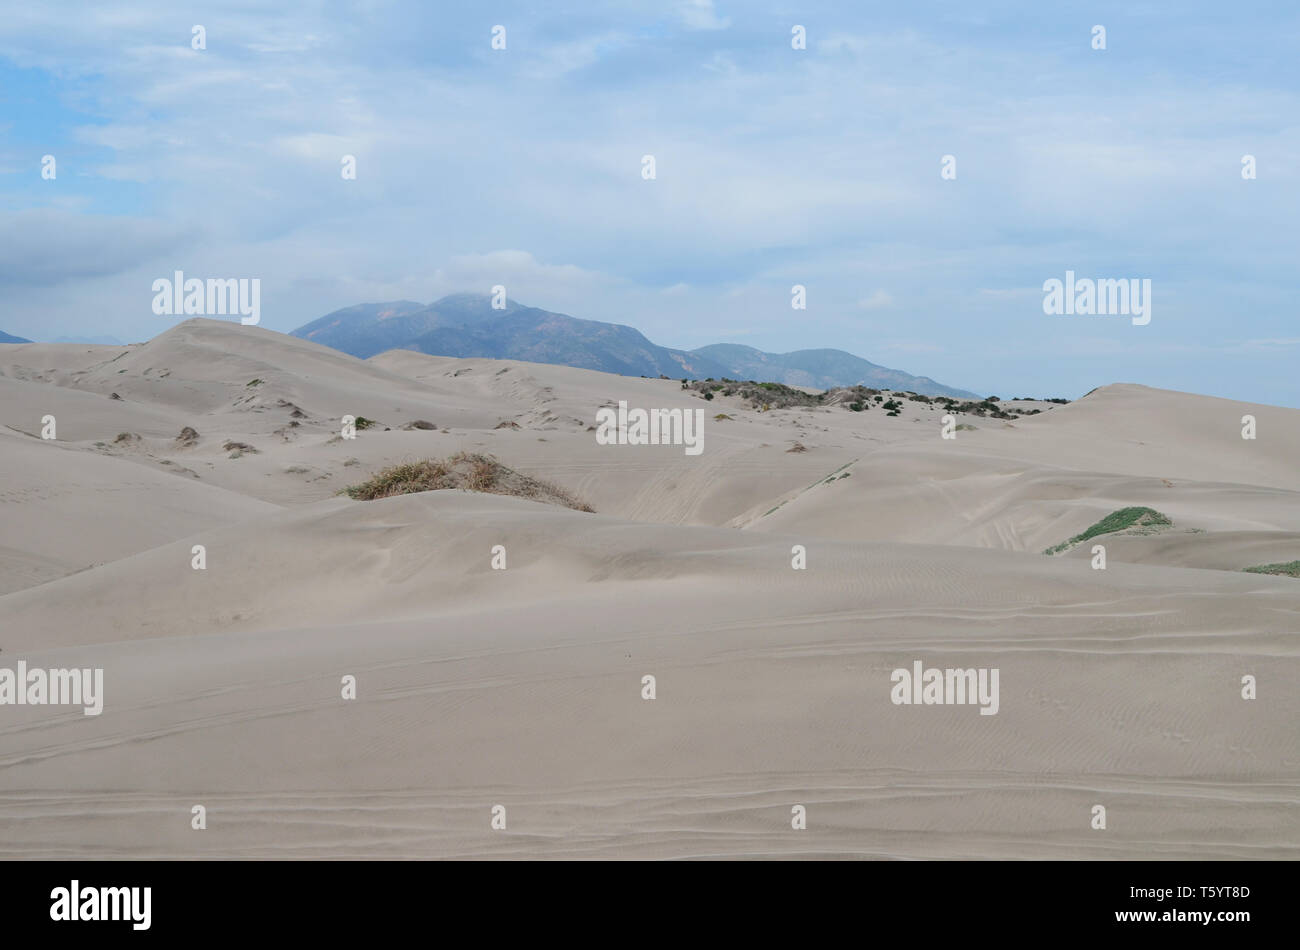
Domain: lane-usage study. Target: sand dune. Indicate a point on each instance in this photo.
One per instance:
(523, 687)
(64, 511)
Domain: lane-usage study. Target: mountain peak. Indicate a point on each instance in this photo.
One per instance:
(471, 304)
(467, 325)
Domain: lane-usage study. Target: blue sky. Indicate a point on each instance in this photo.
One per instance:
(775, 167)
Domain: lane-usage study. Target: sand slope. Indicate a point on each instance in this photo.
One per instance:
(523, 687)
(63, 511)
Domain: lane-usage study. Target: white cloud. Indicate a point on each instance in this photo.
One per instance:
(563, 287)
(700, 15)
(879, 300)
(315, 146)
(44, 247)
(1294, 341)
(564, 58)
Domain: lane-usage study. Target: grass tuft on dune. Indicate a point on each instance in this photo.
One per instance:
(469, 471)
(1137, 518)
(1287, 569)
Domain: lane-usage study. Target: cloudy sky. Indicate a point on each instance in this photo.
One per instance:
(774, 167)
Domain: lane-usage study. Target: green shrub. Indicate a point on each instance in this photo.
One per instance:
(1287, 569)
(1135, 518)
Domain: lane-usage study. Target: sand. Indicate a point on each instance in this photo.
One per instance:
(523, 687)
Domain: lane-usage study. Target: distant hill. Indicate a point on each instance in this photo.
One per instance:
(465, 325)
(820, 369)
(6, 338)
(371, 328)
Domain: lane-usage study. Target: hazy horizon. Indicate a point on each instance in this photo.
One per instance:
(1008, 394)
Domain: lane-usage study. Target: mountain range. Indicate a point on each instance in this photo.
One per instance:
(466, 325)
(9, 338)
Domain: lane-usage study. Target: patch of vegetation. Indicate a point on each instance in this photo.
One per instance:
(237, 449)
(254, 382)
(1289, 569)
(765, 396)
(966, 427)
(1137, 519)
(755, 395)
(720, 416)
(985, 407)
(469, 471)
(364, 423)
(854, 398)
